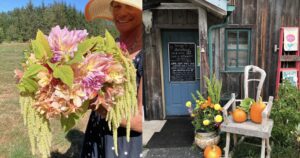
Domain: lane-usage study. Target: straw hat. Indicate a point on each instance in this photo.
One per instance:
(101, 8)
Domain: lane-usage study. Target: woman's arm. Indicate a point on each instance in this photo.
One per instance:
(136, 122)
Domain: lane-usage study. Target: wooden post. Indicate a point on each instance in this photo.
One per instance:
(202, 28)
(152, 78)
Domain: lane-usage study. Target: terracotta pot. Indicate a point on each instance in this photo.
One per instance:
(203, 139)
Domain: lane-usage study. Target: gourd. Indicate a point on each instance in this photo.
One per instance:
(256, 111)
(239, 116)
(212, 151)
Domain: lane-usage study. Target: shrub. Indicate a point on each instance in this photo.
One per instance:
(286, 116)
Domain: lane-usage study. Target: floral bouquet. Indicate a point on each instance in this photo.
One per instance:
(65, 73)
(207, 113)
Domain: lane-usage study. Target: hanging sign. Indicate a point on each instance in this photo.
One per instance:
(291, 38)
(182, 57)
(290, 75)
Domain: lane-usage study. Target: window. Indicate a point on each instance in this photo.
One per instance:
(237, 49)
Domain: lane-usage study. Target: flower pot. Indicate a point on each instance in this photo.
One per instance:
(203, 139)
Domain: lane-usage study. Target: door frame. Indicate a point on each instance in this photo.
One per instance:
(158, 31)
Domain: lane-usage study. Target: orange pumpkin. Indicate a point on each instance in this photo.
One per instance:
(239, 116)
(256, 111)
(212, 151)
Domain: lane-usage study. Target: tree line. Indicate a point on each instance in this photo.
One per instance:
(21, 24)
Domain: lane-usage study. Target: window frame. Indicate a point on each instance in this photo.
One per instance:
(237, 68)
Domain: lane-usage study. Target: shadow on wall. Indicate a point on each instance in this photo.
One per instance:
(75, 137)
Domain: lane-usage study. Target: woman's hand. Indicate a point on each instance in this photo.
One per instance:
(136, 122)
(102, 110)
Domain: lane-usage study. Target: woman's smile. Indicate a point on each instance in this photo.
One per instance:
(124, 21)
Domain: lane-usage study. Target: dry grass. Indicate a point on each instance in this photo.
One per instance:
(13, 135)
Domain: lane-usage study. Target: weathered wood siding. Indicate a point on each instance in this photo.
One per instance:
(264, 18)
(162, 19)
(153, 102)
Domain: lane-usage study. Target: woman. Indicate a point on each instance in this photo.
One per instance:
(98, 142)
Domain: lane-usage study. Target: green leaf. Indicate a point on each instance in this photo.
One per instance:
(110, 41)
(87, 45)
(40, 46)
(38, 49)
(33, 69)
(29, 84)
(77, 58)
(51, 65)
(201, 98)
(21, 87)
(41, 38)
(99, 40)
(101, 46)
(246, 104)
(65, 74)
(69, 122)
(83, 48)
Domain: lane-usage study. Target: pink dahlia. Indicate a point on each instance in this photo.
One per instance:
(93, 82)
(93, 73)
(64, 43)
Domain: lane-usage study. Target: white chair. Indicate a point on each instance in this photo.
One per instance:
(249, 128)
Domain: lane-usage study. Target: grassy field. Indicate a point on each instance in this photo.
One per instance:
(13, 134)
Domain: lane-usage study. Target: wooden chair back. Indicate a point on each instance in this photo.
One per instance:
(249, 69)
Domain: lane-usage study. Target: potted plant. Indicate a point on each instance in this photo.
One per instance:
(206, 114)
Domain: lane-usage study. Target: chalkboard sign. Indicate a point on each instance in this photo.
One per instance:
(182, 61)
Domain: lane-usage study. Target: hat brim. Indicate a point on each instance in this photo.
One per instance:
(98, 9)
(101, 9)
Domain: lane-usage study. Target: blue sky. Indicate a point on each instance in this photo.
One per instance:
(8, 5)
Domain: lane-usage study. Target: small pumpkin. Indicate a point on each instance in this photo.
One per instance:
(256, 111)
(239, 116)
(212, 151)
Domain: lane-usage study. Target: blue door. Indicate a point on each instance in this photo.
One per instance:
(181, 71)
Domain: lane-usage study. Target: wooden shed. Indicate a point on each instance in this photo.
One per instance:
(186, 40)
